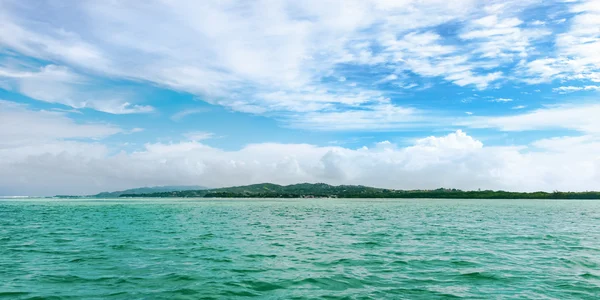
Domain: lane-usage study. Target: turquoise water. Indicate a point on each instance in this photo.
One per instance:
(299, 249)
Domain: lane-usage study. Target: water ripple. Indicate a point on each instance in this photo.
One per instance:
(299, 249)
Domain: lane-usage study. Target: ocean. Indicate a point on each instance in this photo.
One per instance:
(299, 249)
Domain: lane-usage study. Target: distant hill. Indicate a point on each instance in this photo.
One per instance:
(322, 190)
(148, 190)
(139, 191)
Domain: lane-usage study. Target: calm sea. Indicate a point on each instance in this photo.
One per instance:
(299, 249)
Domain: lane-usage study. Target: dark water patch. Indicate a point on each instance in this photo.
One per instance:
(334, 283)
(261, 256)
(347, 262)
(174, 277)
(463, 263)
(247, 271)
(481, 275)
(411, 293)
(399, 263)
(121, 294)
(184, 291)
(206, 236)
(12, 295)
(238, 294)
(589, 275)
(366, 244)
(218, 260)
(262, 286)
(88, 258)
(50, 298)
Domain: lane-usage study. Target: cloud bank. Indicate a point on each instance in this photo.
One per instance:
(69, 159)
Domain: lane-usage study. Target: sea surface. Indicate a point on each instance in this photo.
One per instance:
(299, 249)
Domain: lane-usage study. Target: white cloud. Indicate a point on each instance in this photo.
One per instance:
(583, 118)
(242, 55)
(319, 99)
(28, 134)
(136, 130)
(503, 38)
(376, 117)
(55, 84)
(197, 136)
(455, 160)
(20, 125)
(456, 140)
(538, 23)
(187, 112)
(502, 100)
(387, 78)
(519, 107)
(562, 144)
(570, 89)
(426, 54)
(576, 55)
(49, 42)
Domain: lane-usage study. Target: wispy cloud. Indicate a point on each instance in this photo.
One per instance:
(22, 125)
(570, 89)
(581, 118)
(134, 130)
(373, 118)
(199, 135)
(246, 56)
(504, 100)
(576, 54)
(427, 55)
(187, 112)
(504, 38)
(56, 84)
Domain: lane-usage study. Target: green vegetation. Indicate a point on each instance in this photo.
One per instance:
(321, 190)
(138, 191)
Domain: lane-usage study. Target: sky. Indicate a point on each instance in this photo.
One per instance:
(107, 95)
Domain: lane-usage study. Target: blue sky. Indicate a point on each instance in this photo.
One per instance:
(99, 95)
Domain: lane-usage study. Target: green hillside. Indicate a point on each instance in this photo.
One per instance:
(138, 191)
(308, 190)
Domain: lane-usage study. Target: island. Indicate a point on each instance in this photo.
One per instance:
(322, 190)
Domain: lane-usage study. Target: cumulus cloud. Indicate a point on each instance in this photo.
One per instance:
(456, 160)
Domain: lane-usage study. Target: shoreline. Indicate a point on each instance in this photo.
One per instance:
(374, 199)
